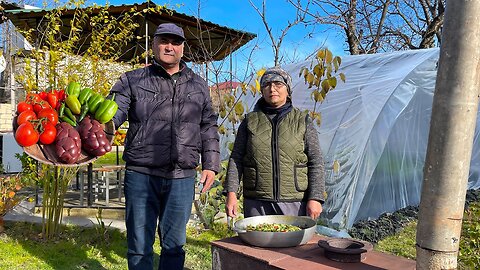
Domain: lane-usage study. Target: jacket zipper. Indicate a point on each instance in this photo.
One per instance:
(275, 165)
(174, 120)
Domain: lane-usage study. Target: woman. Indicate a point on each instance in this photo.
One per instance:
(277, 156)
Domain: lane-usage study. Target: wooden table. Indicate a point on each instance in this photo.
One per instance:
(232, 254)
(94, 188)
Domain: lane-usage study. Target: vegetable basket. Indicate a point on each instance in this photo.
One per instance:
(46, 153)
(276, 239)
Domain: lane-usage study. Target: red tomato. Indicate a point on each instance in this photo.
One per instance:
(26, 135)
(52, 99)
(24, 106)
(61, 95)
(40, 105)
(49, 133)
(50, 114)
(43, 95)
(25, 117)
(32, 98)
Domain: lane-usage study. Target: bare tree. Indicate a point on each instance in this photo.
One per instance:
(218, 71)
(420, 23)
(379, 25)
(276, 41)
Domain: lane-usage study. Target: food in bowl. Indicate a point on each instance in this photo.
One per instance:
(276, 239)
(273, 227)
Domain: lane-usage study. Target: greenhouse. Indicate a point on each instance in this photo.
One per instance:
(375, 128)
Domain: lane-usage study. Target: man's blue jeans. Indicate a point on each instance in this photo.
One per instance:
(148, 199)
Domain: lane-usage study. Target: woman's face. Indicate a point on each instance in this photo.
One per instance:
(275, 94)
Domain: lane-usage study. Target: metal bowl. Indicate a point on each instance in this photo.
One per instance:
(276, 239)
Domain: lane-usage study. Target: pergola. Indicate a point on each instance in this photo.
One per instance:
(206, 41)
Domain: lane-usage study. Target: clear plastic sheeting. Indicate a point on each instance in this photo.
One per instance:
(375, 125)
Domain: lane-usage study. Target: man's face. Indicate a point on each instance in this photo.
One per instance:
(168, 50)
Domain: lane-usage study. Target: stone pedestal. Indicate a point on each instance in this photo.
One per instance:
(233, 254)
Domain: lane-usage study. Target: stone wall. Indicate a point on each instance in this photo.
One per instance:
(6, 117)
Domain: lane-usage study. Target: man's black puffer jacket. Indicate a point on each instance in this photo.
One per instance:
(170, 123)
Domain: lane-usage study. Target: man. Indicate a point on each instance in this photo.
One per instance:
(171, 123)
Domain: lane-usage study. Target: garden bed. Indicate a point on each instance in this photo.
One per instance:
(389, 224)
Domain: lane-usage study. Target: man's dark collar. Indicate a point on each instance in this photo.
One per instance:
(182, 65)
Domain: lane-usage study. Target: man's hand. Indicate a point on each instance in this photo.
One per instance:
(207, 179)
(231, 205)
(314, 208)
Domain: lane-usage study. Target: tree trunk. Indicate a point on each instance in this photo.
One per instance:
(450, 142)
(2, 225)
(351, 29)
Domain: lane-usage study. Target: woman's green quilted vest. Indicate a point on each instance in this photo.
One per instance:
(288, 160)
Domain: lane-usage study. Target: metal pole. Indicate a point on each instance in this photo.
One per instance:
(452, 126)
(82, 181)
(146, 34)
(117, 156)
(231, 70)
(118, 163)
(11, 61)
(77, 180)
(146, 40)
(89, 184)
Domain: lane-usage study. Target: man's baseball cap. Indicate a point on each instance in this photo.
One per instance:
(170, 29)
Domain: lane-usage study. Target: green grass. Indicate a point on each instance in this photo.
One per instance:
(99, 248)
(89, 248)
(109, 158)
(76, 248)
(470, 240)
(403, 243)
(198, 245)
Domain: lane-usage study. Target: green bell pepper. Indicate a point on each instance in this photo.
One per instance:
(73, 104)
(94, 102)
(73, 89)
(107, 110)
(85, 94)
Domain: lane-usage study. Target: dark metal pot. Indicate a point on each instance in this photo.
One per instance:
(345, 250)
(276, 239)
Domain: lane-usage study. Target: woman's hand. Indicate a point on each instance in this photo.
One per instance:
(231, 205)
(314, 209)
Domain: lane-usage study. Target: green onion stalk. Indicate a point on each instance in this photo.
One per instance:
(55, 184)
